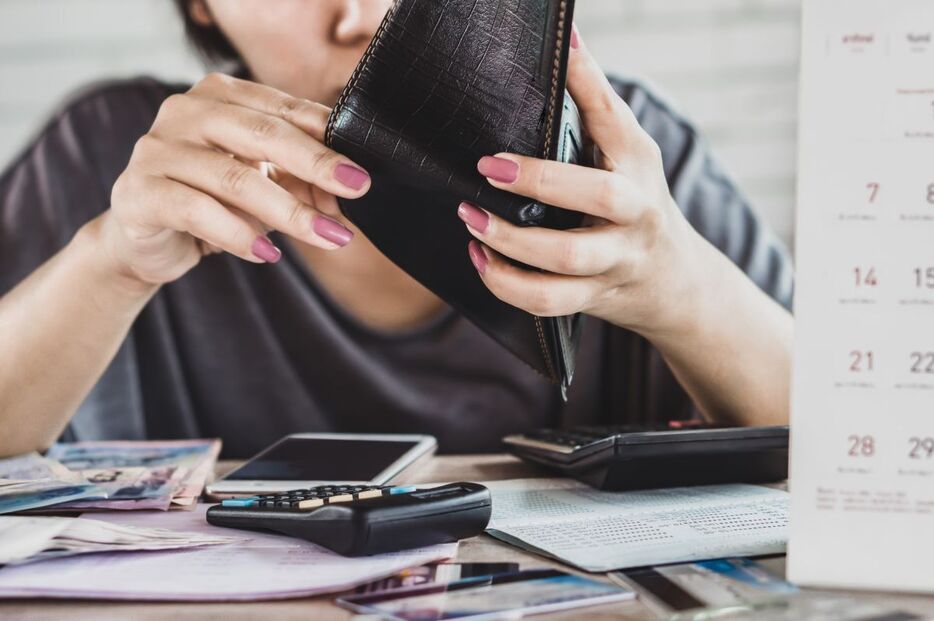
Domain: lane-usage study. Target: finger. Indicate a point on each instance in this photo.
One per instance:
(308, 115)
(545, 295)
(608, 119)
(576, 252)
(231, 182)
(579, 188)
(183, 208)
(327, 203)
(262, 137)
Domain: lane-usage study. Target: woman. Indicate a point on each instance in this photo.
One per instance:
(173, 263)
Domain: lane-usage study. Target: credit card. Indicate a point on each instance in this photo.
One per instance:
(721, 582)
(438, 572)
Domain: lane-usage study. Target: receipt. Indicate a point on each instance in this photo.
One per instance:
(602, 531)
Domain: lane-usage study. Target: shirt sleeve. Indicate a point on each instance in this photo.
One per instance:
(63, 178)
(713, 205)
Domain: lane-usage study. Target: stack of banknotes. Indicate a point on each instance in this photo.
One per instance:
(26, 539)
(108, 475)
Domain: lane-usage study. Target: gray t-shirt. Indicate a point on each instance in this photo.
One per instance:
(249, 353)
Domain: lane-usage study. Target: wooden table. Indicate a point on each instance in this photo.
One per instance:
(483, 548)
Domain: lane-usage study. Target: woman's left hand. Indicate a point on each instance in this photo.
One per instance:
(634, 263)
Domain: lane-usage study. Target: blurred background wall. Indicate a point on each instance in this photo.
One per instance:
(728, 65)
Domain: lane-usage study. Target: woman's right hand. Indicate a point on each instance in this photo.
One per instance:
(196, 182)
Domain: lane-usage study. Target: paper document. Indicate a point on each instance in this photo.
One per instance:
(602, 531)
(263, 566)
(29, 539)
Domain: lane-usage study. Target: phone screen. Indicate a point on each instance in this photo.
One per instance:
(322, 459)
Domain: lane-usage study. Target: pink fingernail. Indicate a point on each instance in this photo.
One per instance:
(264, 249)
(477, 256)
(575, 38)
(332, 230)
(475, 218)
(498, 169)
(351, 176)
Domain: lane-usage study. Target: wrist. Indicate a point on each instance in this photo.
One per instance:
(96, 249)
(673, 300)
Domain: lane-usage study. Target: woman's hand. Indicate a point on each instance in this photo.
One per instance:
(634, 261)
(637, 263)
(199, 181)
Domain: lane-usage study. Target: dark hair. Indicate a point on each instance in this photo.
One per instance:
(208, 40)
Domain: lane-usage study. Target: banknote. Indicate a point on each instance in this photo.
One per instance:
(31, 482)
(141, 475)
(30, 539)
(115, 454)
(35, 467)
(40, 494)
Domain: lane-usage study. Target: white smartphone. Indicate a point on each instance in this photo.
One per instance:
(303, 460)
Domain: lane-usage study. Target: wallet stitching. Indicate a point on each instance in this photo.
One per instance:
(552, 106)
(361, 67)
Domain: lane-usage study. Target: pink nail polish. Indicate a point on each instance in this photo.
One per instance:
(477, 256)
(351, 176)
(264, 249)
(575, 38)
(332, 230)
(476, 218)
(498, 169)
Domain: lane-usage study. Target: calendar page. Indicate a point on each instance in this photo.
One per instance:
(862, 466)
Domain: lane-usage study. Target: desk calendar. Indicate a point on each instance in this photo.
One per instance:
(862, 466)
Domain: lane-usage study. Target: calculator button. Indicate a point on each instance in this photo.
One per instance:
(340, 498)
(402, 490)
(373, 493)
(239, 502)
(310, 503)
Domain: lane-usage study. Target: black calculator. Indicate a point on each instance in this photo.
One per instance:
(679, 453)
(358, 520)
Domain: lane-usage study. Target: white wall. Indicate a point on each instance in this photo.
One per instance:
(729, 65)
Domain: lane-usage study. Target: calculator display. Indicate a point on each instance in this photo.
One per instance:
(321, 459)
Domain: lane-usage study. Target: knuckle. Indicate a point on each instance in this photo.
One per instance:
(650, 148)
(190, 214)
(122, 188)
(241, 238)
(610, 193)
(173, 105)
(651, 222)
(541, 301)
(267, 127)
(145, 146)
(216, 81)
(570, 258)
(609, 101)
(235, 177)
(322, 160)
(288, 106)
(544, 178)
(296, 214)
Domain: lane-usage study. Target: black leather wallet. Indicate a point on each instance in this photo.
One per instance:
(441, 85)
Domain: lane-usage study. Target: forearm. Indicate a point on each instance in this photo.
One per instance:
(732, 351)
(59, 329)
